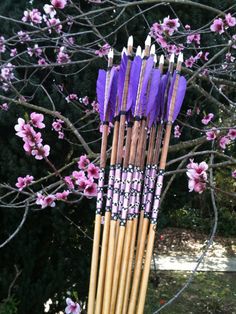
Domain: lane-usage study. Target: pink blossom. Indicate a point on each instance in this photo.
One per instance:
(93, 171)
(54, 23)
(41, 151)
(62, 57)
(49, 9)
(187, 27)
(23, 36)
(202, 55)
(37, 119)
(62, 195)
(229, 57)
(61, 135)
(230, 20)
(4, 107)
(22, 182)
(212, 134)
(177, 131)
(2, 45)
(79, 175)
(224, 140)
(161, 41)
(196, 185)
(217, 26)
(72, 307)
(57, 125)
(207, 118)
(170, 25)
(95, 106)
(69, 182)
(232, 134)
(42, 61)
(45, 201)
(83, 182)
(194, 38)
(197, 176)
(83, 162)
(59, 4)
(13, 52)
(33, 16)
(7, 72)
(19, 128)
(189, 62)
(234, 174)
(156, 30)
(189, 112)
(90, 190)
(171, 48)
(71, 97)
(85, 100)
(35, 51)
(103, 51)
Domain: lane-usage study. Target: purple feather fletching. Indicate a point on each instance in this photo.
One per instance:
(121, 79)
(143, 95)
(113, 93)
(182, 85)
(133, 83)
(153, 92)
(100, 89)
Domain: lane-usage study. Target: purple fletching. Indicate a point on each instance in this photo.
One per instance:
(133, 83)
(144, 91)
(153, 92)
(121, 79)
(161, 96)
(181, 90)
(113, 93)
(100, 89)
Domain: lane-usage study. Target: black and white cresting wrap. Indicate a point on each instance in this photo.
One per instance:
(100, 190)
(157, 196)
(116, 192)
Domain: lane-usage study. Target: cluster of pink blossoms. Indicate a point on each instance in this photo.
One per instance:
(83, 180)
(103, 51)
(49, 200)
(72, 307)
(225, 140)
(177, 131)
(219, 25)
(23, 182)
(57, 126)
(197, 176)
(33, 140)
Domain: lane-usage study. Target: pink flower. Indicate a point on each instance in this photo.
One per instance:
(95, 106)
(54, 23)
(62, 57)
(57, 125)
(229, 57)
(61, 135)
(85, 100)
(49, 9)
(217, 26)
(196, 185)
(33, 16)
(202, 55)
(156, 30)
(79, 175)
(59, 4)
(4, 107)
(170, 25)
(197, 176)
(194, 38)
(72, 307)
(41, 151)
(35, 51)
(189, 112)
(232, 134)
(211, 135)
(224, 140)
(45, 201)
(7, 72)
(2, 45)
(187, 27)
(234, 174)
(71, 97)
(13, 52)
(19, 128)
(37, 119)
(83, 162)
(103, 51)
(22, 182)
(230, 20)
(83, 182)
(42, 61)
(207, 118)
(93, 171)
(90, 190)
(23, 36)
(161, 41)
(62, 195)
(177, 131)
(189, 62)
(69, 182)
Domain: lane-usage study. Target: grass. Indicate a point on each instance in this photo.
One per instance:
(209, 292)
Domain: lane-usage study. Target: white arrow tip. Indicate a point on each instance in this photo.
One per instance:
(124, 51)
(172, 58)
(162, 59)
(148, 41)
(155, 59)
(139, 51)
(181, 57)
(152, 51)
(111, 54)
(130, 41)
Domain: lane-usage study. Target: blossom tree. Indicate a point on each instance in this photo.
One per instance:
(48, 67)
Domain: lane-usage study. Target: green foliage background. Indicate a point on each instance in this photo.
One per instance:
(53, 255)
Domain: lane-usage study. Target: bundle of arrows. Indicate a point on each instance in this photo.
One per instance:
(142, 102)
